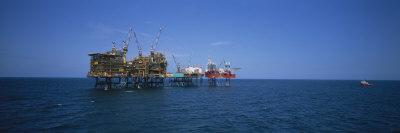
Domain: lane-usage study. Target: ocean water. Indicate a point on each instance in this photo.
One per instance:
(72, 104)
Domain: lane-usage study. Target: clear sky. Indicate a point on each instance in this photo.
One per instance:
(273, 39)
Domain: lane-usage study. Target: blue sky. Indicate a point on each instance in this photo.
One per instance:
(273, 39)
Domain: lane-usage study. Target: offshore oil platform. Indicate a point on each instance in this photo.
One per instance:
(187, 76)
(111, 69)
(220, 76)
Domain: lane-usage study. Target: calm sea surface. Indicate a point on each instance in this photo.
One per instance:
(68, 104)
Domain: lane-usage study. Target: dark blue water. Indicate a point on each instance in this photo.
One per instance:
(60, 104)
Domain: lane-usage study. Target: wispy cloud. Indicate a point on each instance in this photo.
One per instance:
(101, 27)
(169, 54)
(220, 43)
(104, 31)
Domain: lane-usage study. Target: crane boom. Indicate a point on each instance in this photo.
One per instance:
(154, 45)
(178, 67)
(139, 47)
(128, 40)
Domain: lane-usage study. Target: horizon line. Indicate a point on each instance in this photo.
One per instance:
(221, 78)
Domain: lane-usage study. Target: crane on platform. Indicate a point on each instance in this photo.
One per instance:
(127, 41)
(155, 43)
(113, 42)
(139, 47)
(178, 65)
(113, 48)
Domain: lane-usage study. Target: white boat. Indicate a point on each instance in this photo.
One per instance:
(365, 83)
